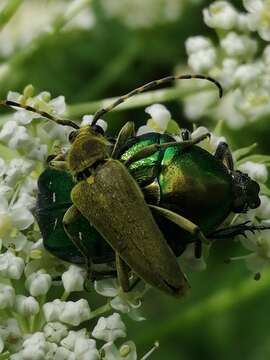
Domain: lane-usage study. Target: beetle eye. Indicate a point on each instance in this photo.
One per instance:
(97, 129)
(71, 136)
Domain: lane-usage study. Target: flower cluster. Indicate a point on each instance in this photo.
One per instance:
(20, 32)
(240, 61)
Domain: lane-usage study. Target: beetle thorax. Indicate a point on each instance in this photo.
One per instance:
(87, 150)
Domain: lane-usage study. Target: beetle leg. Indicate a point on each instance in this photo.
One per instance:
(127, 131)
(183, 222)
(122, 273)
(58, 164)
(151, 149)
(234, 230)
(222, 153)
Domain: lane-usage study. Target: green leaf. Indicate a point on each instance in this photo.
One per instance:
(258, 158)
(240, 153)
(173, 127)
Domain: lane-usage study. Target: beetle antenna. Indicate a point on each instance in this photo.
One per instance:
(152, 85)
(9, 104)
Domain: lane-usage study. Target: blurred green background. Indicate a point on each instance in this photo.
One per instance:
(226, 313)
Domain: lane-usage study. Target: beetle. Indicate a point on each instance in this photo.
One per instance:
(155, 179)
(111, 200)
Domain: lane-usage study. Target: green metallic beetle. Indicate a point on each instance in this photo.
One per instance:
(111, 200)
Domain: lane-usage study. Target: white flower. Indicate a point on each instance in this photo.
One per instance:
(11, 266)
(26, 306)
(10, 333)
(202, 55)
(128, 303)
(263, 211)
(41, 101)
(139, 13)
(88, 119)
(55, 331)
(197, 43)
(259, 18)
(34, 347)
(75, 313)
(85, 349)
(14, 135)
(51, 349)
(110, 328)
(69, 341)
(64, 354)
(238, 45)
(17, 170)
(197, 104)
(202, 60)
(160, 117)
(259, 244)
(17, 137)
(38, 283)
(52, 310)
(257, 172)
(7, 296)
(209, 144)
(220, 15)
(73, 279)
(127, 351)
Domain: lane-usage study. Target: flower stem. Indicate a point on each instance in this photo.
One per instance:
(5, 355)
(37, 321)
(100, 311)
(65, 296)
(8, 11)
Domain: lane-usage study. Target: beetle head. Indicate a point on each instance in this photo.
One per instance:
(246, 192)
(88, 148)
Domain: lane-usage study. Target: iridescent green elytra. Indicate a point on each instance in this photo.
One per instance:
(53, 200)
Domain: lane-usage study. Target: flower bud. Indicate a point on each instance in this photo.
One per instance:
(73, 279)
(55, 331)
(11, 266)
(110, 328)
(52, 310)
(7, 296)
(38, 283)
(220, 15)
(75, 313)
(26, 306)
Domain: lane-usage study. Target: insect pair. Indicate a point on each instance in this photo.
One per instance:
(138, 201)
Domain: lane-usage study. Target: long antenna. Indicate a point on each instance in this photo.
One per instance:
(44, 114)
(152, 85)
